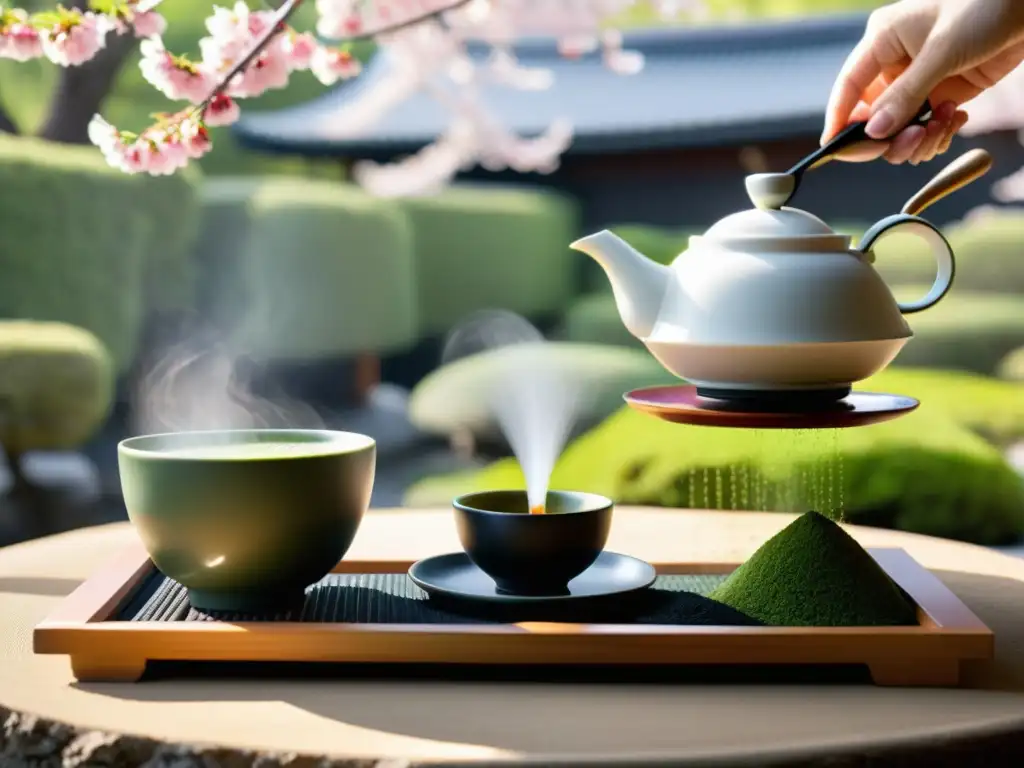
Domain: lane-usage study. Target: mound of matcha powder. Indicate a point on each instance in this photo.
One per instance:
(812, 573)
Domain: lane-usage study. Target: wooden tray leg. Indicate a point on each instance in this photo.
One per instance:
(940, 673)
(92, 669)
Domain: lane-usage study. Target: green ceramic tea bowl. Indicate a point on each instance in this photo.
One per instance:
(247, 519)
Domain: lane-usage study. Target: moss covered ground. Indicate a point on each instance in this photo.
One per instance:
(929, 472)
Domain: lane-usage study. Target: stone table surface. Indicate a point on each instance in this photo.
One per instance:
(46, 716)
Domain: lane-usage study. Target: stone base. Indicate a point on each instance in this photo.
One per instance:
(27, 741)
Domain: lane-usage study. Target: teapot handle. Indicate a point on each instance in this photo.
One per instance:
(914, 225)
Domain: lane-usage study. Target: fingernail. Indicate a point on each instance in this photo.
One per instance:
(881, 124)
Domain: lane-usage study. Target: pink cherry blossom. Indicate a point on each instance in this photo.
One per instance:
(268, 71)
(576, 46)
(20, 42)
(232, 33)
(148, 24)
(338, 18)
(195, 138)
(71, 44)
(330, 65)
(176, 80)
(222, 110)
(166, 154)
(299, 50)
(107, 138)
(135, 156)
(430, 57)
(349, 18)
(425, 43)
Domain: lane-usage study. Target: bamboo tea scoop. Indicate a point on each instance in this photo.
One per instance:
(968, 167)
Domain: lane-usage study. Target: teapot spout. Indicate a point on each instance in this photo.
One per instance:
(638, 284)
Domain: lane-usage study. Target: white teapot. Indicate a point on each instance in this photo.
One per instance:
(773, 300)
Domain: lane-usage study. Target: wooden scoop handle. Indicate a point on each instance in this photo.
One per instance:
(961, 172)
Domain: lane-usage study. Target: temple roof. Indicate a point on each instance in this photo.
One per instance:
(701, 86)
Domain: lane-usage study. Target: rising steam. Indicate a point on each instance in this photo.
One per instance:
(202, 385)
(529, 388)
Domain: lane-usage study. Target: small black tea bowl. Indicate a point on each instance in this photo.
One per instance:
(533, 554)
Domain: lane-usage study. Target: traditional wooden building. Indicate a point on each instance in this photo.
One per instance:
(669, 146)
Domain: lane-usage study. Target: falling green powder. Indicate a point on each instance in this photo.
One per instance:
(812, 573)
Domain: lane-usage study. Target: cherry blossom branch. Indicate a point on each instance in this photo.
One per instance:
(424, 45)
(436, 56)
(445, 6)
(277, 26)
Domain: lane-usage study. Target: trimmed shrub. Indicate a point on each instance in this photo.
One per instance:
(989, 407)
(1011, 367)
(172, 204)
(594, 319)
(74, 242)
(491, 247)
(967, 331)
(455, 397)
(224, 226)
(328, 272)
(989, 250)
(924, 472)
(56, 386)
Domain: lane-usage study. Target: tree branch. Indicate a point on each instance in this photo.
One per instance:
(81, 90)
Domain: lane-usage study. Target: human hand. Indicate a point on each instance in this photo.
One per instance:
(948, 51)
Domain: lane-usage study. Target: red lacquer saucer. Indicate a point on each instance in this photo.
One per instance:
(681, 404)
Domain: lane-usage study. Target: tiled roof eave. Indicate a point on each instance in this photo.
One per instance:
(680, 137)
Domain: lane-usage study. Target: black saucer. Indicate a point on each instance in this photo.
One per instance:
(455, 577)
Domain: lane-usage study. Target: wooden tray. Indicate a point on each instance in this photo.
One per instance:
(104, 649)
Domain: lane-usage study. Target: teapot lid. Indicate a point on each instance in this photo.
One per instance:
(781, 225)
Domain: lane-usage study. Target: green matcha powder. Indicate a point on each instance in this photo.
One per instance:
(812, 573)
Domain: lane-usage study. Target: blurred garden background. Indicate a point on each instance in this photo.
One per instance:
(116, 291)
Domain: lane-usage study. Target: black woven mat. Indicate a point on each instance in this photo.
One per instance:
(395, 599)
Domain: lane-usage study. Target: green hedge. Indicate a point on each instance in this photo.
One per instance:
(594, 319)
(926, 472)
(989, 252)
(56, 386)
(225, 222)
(456, 396)
(491, 247)
(1011, 367)
(74, 242)
(968, 331)
(327, 271)
(172, 204)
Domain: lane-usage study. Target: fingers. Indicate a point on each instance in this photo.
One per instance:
(905, 143)
(936, 131)
(900, 101)
(919, 144)
(928, 147)
(958, 122)
(859, 71)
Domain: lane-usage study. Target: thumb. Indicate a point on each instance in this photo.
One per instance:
(899, 103)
